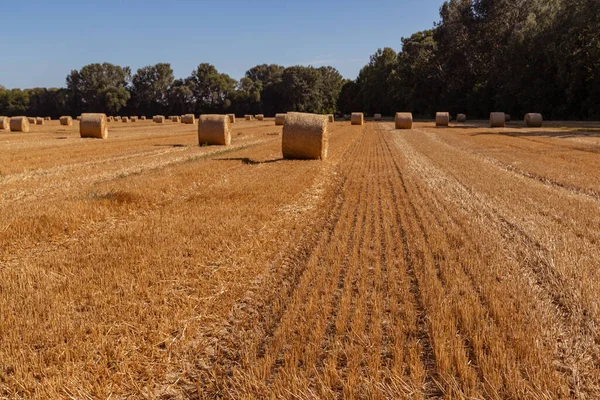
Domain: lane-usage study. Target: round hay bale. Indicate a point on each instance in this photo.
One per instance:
(231, 118)
(66, 121)
(305, 136)
(78, 118)
(506, 117)
(497, 120)
(175, 118)
(159, 119)
(403, 120)
(214, 129)
(143, 118)
(31, 120)
(93, 126)
(331, 118)
(534, 120)
(357, 118)
(248, 117)
(19, 124)
(125, 120)
(39, 121)
(109, 119)
(279, 119)
(133, 119)
(461, 118)
(47, 119)
(260, 117)
(189, 119)
(377, 117)
(117, 118)
(442, 119)
(4, 123)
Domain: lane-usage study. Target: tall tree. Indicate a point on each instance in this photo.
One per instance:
(99, 88)
(150, 89)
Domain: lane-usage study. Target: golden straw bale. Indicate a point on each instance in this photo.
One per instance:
(159, 119)
(31, 120)
(66, 121)
(461, 118)
(133, 119)
(260, 117)
(331, 118)
(534, 120)
(497, 120)
(47, 119)
(4, 123)
(357, 118)
(189, 119)
(442, 119)
(305, 136)
(214, 129)
(403, 120)
(248, 117)
(231, 118)
(175, 118)
(279, 119)
(125, 119)
(93, 126)
(78, 118)
(507, 117)
(39, 121)
(377, 117)
(143, 118)
(19, 124)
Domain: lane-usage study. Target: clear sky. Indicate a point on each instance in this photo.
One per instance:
(44, 40)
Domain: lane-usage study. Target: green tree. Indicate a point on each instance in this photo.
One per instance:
(212, 90)
(99, 88)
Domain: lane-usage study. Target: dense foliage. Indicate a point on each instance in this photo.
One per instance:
(515, 56)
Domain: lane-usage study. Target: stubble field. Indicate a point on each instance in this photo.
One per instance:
(457, 262)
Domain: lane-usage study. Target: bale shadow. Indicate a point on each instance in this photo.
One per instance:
(171, 145)
(249, 161)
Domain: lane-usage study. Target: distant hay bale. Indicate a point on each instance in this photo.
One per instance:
(231, 118)
(4, 123)
(403, 120)
(507, 117)
(214, 129)
(461, 118)
(279, 119)
(442, 119)
(534, 120)
(47, 119)
(19, 124)
(357, 118)
(31, 120)
(133, 119)
(248, 117)
(143, 118)
(109, 119)
(66, 121)
(117, 118)
(331, 118)
(497, 120)
(175, 118)
(260, 117)
(377, 117)
(159, 119)
(78, 118)
(189, 119)
(124, 120)
(305, 136)
(39, 121)
(93, 126)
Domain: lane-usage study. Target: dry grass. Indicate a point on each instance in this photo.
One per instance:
(432, 263)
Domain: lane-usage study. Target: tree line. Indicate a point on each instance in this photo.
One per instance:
(153, 90)
(514, 56)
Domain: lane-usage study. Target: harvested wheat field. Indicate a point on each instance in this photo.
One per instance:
(450, 262)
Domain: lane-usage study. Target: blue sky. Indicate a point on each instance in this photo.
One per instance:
(44, 40)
